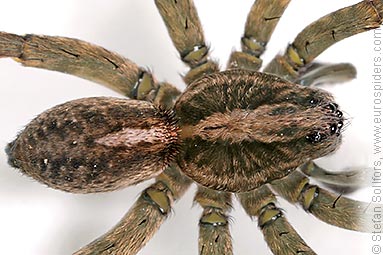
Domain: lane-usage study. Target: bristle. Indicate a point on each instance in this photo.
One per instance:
(173, 146)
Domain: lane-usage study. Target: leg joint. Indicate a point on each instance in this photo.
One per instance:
(308, 195)
(197, 56)
(144, 85)
(268, 215)
(159, 196)
(215, 217)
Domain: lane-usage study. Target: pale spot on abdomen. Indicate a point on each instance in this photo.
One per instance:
(131, 137)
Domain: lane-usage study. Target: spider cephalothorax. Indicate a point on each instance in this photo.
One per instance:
(244, 129)
(239, 131)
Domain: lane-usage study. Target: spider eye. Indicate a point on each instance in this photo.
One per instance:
(313, 101)
(333, 128)
(332, 107)
(315, 137)
(339, 114)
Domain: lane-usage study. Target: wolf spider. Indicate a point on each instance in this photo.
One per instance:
(214, 221)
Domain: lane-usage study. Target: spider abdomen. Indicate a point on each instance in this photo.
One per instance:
(242, 129)
(96, 144)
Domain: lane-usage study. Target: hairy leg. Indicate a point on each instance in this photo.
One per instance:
(88, 61)
(328, 207)
(214, 233)
(352, 178)
(323, 33)
(279, 234)
(185, 30)
(260, 24)
(144, 218)
(318, 74)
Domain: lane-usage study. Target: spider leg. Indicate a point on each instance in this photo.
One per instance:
(145, 217)
(326, 73)
(260, 24)
(279, 234)
(333, 209)
(87, 61)
(214, 234)
(185, 30)
(323, 33)
(353, 178)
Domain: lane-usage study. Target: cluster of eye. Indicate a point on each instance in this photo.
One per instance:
(334, 128)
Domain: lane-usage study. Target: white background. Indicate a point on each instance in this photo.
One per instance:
(39, 221)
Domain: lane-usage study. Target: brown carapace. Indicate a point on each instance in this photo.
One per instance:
(239, 131)
(243, 129)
